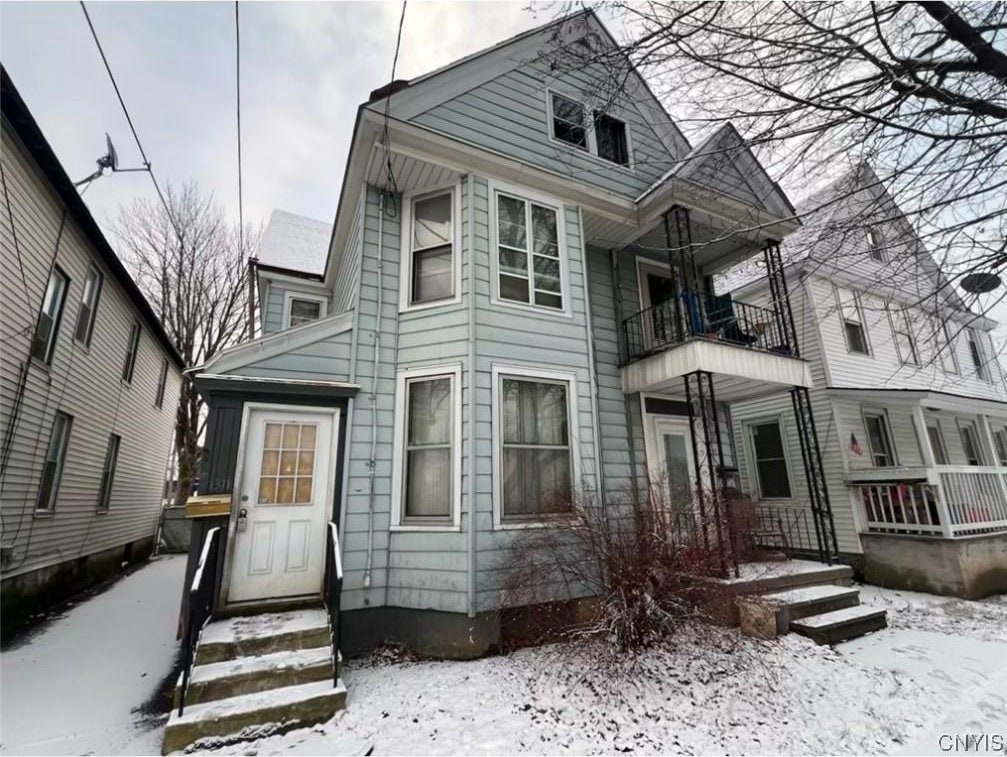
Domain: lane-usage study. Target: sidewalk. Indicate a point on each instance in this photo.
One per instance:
(74, 687)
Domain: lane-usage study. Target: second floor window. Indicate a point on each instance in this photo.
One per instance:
(108, 471)
(300, 309)
(132, 347)
(88, 306)
(55, 456)
(905, 341)
(944, 346)
(852, 313)
(569, 121)
(528, 253)
(770, 461)
(610, 138)
(161, 382)
(970, 443)
(978, 354)
(49, 316)
(880, 438)
(431, 274)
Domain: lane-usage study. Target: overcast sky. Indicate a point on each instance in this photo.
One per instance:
(305, 69)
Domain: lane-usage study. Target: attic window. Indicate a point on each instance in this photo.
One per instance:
(568, 121)
(610, 136)
(875, 242)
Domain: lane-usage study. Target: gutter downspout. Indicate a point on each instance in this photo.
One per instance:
(470, 214)
(372, 458)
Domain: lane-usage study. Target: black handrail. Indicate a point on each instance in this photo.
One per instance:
(333, 590)
(710, 316)
(202, 593)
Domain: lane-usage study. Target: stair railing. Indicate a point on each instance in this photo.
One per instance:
(202, 593)
(333, 590)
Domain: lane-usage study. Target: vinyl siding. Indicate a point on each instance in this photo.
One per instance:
(510, 115)
(83, 382)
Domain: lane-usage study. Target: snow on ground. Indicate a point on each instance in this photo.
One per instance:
(708, 690)
(73, 686)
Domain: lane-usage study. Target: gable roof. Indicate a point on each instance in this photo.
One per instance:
(295, 243)
(15, 112)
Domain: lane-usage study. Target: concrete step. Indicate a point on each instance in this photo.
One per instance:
(280, 710)
(245, 675)
(840, 625)
(255, 635)
(767, 616)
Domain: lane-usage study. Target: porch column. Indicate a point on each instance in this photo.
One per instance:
(814, 472)
(920, 426)
(781, 297)
(930, 462)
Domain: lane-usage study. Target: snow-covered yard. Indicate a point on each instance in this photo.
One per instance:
(940, 668)
(75, 685)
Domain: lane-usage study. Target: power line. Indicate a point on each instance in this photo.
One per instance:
(129, 120)
(237, 79)
(386, 141)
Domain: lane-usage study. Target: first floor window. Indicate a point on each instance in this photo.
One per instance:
(431, 264)
(853, 321)
(770, 461)
(132, 347)
(1000, 440)
(52, 469)
(428, 476)
(108, 471)
(303, 310)
(49, 316)
(940, 450)
(879, 436)
(528, 250)
(905, 341)
(536, 463)
(88, 306)
(970, 443)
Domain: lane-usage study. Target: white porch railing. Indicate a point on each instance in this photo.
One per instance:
(956, 501)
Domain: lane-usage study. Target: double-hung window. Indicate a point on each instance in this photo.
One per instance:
(108, 471)
(132, 347)
(770, 460)
(536, 464)
(905, 341)
(605, 136)
(528, 253)
(944, 346)
(875, 245)
(52, 469)
(427, 476)
(162, 380)
(937, 444)
(852, 313)
(978, 354)
(970, 443)
(880, 438)
(49, 316)
(88, 306)
(431, 248)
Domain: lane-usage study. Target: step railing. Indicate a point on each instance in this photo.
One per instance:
(333, 590)
(199, 609)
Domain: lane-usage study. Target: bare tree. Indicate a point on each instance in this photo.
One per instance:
(192, 266)
(916, 90)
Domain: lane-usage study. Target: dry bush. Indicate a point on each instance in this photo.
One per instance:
(630, 574)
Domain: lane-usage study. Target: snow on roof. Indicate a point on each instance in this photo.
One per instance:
(295, 242)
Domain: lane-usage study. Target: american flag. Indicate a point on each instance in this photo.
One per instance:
(855, 446)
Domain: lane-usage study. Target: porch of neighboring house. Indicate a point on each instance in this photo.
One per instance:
(687, 352)
(931, 500)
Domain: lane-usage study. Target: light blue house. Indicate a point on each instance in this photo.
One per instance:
(513, 311)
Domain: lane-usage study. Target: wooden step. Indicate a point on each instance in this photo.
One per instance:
(767, 616)
(280, 710)
(841, 625)
(246, 675)
(255, 635)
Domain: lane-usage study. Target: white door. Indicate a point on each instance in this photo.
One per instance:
(670, 459)
(284, 495)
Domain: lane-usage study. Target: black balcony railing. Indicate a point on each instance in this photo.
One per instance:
(333, 590)
(714, 317)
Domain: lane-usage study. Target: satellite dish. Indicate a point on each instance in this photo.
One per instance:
(980, 283)
(111, 158)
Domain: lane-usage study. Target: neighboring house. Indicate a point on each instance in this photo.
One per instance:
(908, 394)
(90, 384)
(496, 333)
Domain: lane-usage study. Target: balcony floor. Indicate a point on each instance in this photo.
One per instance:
(739, 373)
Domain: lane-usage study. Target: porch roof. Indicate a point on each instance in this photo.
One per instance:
(954, 403)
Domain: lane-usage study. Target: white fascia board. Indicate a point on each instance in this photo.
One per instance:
(276, 344)
(295, 282)
(953, 403)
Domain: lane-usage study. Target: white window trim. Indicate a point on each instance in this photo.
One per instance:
(454, 372)
(405, 245)
(914, 344)
(552, 203)
(749, 441)
(883, 412)
(935, 423)
(975, 336)
(499, 371)
(591, 151)
(289, 297)
(961, 423)
(875, 246)
(947, 343)
(863, 321)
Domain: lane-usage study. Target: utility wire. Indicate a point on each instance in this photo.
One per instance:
(388, 105)
(129, 120)
(237, 79)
